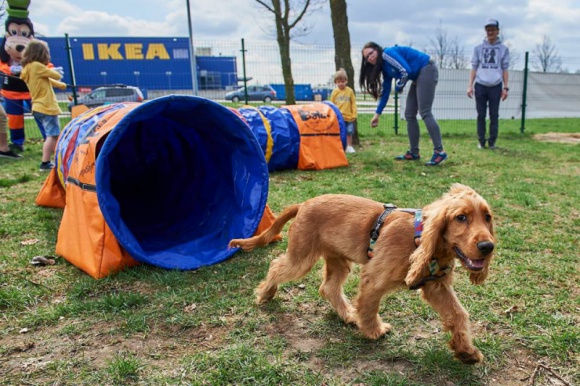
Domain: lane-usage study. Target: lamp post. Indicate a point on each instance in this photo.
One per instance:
(191, 52)
(168, 73)
(137, 73)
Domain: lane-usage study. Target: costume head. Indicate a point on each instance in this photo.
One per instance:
(19, 31)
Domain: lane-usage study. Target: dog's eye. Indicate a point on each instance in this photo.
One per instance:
(461, 218)
(488, 217)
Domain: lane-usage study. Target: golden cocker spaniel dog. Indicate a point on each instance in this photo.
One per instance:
(338, 228)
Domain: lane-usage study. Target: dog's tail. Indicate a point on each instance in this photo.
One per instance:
(269, 234)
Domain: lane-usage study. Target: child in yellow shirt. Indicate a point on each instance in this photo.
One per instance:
(343, 97)
(40, 81)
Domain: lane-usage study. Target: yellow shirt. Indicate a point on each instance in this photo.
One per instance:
(345, 100)
(40, 81)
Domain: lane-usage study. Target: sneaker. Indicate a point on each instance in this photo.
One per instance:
(18, 148)
(492, 147)
(46, 167)
(437, 158)
(350, 149)
(408, 156)
(9, 154)
(481, 145)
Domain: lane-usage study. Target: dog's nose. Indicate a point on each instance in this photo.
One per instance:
(20, 48)
(485, 247)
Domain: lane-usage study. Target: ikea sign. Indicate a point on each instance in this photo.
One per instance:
(125, 51)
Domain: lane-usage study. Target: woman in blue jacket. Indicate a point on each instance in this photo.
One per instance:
(404, 64)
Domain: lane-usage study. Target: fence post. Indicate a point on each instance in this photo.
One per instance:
(244, 70)
(396, 127)
(72, 69)
(525, 93)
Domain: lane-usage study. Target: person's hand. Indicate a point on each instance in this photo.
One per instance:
(16, 69)
(60, 70)
(398, 89)
(375, 120)
(470, 92)
(504, 94)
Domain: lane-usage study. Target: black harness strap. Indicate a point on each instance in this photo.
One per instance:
(375, 231)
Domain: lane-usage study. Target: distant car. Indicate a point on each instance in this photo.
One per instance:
(255, 93)
(109, 94)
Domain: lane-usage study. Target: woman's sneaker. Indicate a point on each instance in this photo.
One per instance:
(408, 156)
(46, 167)
(437, 158)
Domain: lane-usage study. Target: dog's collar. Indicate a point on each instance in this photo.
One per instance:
(418, 225)
(436, 273)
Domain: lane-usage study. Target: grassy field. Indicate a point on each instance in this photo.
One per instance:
(149, 326)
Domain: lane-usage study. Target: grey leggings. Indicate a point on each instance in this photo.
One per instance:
(420, 100)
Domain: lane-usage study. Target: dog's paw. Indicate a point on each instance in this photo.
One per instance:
(264, 294)
(471, 357)
(382, 330)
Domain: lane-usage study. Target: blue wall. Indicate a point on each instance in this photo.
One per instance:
(149, 63)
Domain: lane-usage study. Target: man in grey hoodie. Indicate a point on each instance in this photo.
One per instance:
(489, 79)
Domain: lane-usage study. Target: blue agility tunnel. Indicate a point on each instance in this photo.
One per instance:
(175, 179)
(178, 178)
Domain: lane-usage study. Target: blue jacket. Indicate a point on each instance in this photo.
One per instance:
(401, 63)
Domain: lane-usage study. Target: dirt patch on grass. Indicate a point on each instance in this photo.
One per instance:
(558, 137)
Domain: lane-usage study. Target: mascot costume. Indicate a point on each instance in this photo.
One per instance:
(19, 31)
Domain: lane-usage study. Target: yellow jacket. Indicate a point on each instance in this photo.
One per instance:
(40, 80)
(345, 100)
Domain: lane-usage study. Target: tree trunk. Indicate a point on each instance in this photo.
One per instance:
(342, 57)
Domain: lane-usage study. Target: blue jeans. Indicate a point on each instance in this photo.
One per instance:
(50, 123)
(487, 96)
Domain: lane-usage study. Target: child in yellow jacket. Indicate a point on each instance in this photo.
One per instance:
(343, 97)
(40, 81)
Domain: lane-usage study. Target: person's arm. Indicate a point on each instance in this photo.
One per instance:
(386, 90)
(473, 72)
(470, 85)
(57, 84)
(401, 66)
(353, 104)
(506, 89)
(333, 96)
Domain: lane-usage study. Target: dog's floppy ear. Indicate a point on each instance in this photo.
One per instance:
(434, 222)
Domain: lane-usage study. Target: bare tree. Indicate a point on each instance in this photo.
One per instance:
(288, 15)
(342, 57)
(447, 50)
(457, 58)
(545, 57)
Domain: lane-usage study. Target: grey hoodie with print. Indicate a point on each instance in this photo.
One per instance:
(489, 61)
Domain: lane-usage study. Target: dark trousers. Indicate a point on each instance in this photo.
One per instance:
(487, 96)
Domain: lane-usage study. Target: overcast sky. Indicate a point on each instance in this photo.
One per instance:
(523, 22)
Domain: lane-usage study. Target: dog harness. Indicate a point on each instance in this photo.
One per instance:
(434, 269)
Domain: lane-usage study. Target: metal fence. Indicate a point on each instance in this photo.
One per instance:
(546, 95)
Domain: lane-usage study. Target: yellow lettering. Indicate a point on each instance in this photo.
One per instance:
(88, 52)
(109, 51)
(134, 51)
(157, 51)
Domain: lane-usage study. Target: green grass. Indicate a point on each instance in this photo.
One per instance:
(151, 326)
